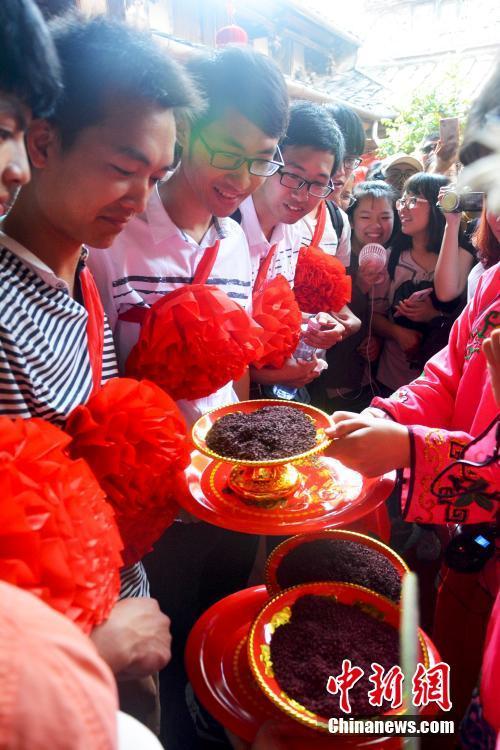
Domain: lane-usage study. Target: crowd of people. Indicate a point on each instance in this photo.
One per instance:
(124, 178)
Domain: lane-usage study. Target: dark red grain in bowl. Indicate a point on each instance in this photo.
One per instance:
(298, 561)
(310, 664)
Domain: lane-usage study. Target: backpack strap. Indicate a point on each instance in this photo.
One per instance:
(237, 217)
(336, 217)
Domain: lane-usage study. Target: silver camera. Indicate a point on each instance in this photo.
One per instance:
(454, 202)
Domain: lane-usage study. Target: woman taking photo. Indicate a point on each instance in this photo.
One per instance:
(453, 269)
(409, 316)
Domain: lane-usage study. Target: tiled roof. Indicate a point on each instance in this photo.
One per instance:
(401, 76)
(358, 89)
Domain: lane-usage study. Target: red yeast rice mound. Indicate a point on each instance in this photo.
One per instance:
(339, 560)
(312, 645)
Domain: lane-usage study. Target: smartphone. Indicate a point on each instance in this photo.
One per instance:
(449, 129)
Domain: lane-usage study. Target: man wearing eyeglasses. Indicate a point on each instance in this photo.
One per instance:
(227, 152)
(311, 149)
(399, 168)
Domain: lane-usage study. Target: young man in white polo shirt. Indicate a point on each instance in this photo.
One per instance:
(109, 139)
(226, 154)
(311, 150)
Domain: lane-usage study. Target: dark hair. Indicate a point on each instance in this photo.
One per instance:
(374, 172)
(29, 69)
(431, 137)
(100, 58)
(351, 127)
(244, 80)
(311, 125)
(487, 245)
(372, 189)
(486, 107)
(423, 185)
(375, 189)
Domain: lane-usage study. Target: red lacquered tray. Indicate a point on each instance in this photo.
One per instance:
(329, 495)
(217, 666)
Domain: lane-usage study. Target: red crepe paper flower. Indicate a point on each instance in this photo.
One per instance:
(321, 283)
(276, 310)
(194, 341)
(134, 438)
(58, 535)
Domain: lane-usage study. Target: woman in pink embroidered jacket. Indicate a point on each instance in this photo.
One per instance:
(443, 429)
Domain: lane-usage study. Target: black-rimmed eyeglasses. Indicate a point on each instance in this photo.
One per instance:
(228, 161)
(295, 182)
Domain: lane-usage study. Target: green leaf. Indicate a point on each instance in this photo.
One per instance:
(423, 113)
(464, 500)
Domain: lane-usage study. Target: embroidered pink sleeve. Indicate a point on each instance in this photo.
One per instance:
(438, 488)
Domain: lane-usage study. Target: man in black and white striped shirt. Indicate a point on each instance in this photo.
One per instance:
(94, 162)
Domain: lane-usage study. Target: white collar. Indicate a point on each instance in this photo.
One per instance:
(34, 263)
(162, 227)
(253, 230)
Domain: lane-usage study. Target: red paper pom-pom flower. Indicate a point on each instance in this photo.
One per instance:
(194, 341)
(276, 310)
(321, 283)
(134, 438)
(58, 535)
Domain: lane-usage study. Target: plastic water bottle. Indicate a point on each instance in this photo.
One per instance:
(303, 351)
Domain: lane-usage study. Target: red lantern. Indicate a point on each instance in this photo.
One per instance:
(231, 35)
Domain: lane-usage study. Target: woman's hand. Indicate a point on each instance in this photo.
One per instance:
(370, 274)
(445, 154)
(367, 444)
(451, 218)
(419, 310)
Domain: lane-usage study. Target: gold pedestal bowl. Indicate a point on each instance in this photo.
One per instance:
(262, 483)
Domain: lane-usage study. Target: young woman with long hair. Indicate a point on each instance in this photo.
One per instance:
(453, 269)
(409, 316)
